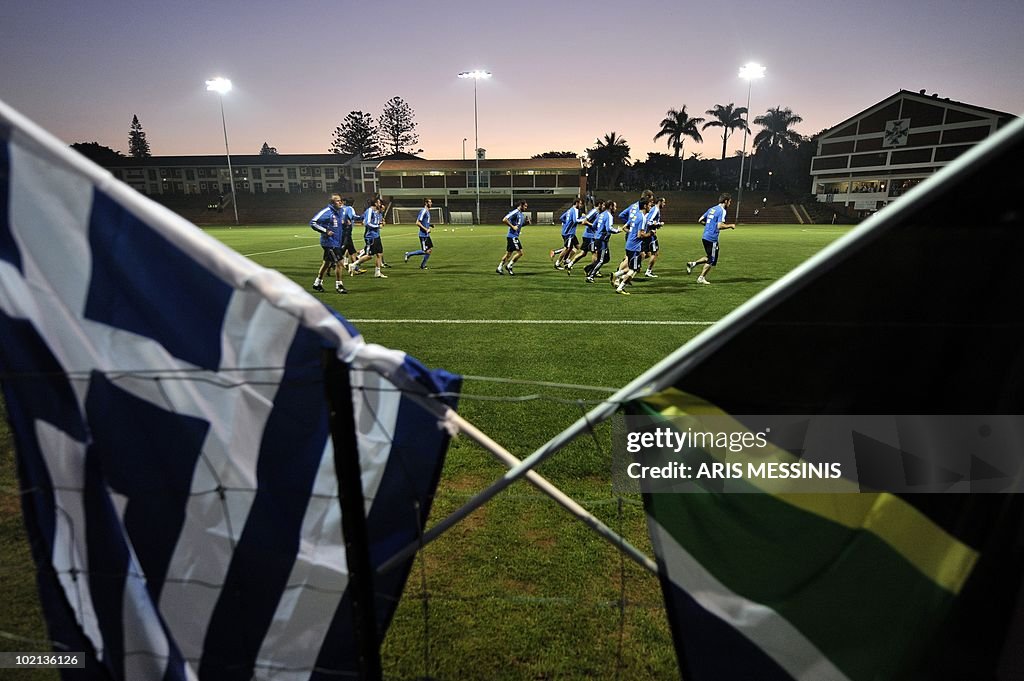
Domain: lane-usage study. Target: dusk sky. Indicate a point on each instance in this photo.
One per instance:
(564, 72)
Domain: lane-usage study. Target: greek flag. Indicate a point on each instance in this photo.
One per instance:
(167, 400)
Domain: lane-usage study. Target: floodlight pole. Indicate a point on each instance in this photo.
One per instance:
(475, 76)
(220, 86)
(464, 148)
(749, 72)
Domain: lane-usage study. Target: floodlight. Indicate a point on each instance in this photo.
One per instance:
(219, 85)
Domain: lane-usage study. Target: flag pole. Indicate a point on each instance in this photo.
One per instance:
(338, 387)
(461, 425)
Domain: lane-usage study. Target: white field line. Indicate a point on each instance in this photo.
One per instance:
(560, 322)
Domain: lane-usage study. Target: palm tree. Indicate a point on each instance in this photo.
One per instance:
(677, 126)
(776, 135)
(612, 153)
(730, 118)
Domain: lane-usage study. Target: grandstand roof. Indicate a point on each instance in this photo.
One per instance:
(920, 96)
(236, 159)
(538, 164)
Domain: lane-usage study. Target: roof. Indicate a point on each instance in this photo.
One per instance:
(547, 165)
(236, 160)
(921, 97)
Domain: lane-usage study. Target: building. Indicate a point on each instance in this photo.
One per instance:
(253, 174)
(875, 156)
(500, 179)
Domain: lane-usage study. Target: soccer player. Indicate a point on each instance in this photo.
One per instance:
(327, 223)
(570, 218)
(589, 230)
(637, 232)
(714, 222)
(426, 244)
(348, 219)
(650, 246)
(516, 220)
(602, 235)
(372, 219)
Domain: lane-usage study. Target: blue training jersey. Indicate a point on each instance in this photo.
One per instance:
(590, 223)
(348, 217)
(569, 220)
(638, 224)
(603, 226)
(517, 219)
(371, 223)
(424, 219)
(654, 216)
(712, 218)
(628, 212)
(327, 220)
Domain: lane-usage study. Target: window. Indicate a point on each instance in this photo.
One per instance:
(190, 175)
(485, 179)
(291, 174)
(257, 173)
(293, 187)
(329, 173)
(152, 174)
(316, 172)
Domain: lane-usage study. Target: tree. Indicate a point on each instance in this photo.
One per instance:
(268, 150)
(556, 154)
(397, 126)
(138, 147)
(356, 135)
(96, 152)
(729, 118)
(677, 126)
(776, 135)
(611, 153)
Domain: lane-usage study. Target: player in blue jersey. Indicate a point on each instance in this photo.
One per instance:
(348, 220)
(589, 229)
(516, 220)
(714, 222)
(426, 244)
(634, 243)
(570, 218)
(328, 223)
(651, 247)
(604, 228)
(373, 219)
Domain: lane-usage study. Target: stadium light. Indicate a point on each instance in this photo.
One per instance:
(464, 148)
(750, 72)
(475, 76)
(221, 86)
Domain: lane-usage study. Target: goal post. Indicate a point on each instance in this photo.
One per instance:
(405, 215)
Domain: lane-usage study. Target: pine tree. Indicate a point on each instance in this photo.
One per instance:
(398, 127)
(268, 150)
(356, 135)
(138, 147)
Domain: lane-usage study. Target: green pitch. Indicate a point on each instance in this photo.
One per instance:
(519, 590)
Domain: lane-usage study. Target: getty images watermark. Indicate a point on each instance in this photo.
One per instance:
(815, 454)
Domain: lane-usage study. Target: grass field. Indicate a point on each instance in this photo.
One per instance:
(519, 590)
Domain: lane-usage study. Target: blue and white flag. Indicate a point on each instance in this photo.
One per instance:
(166, 397)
